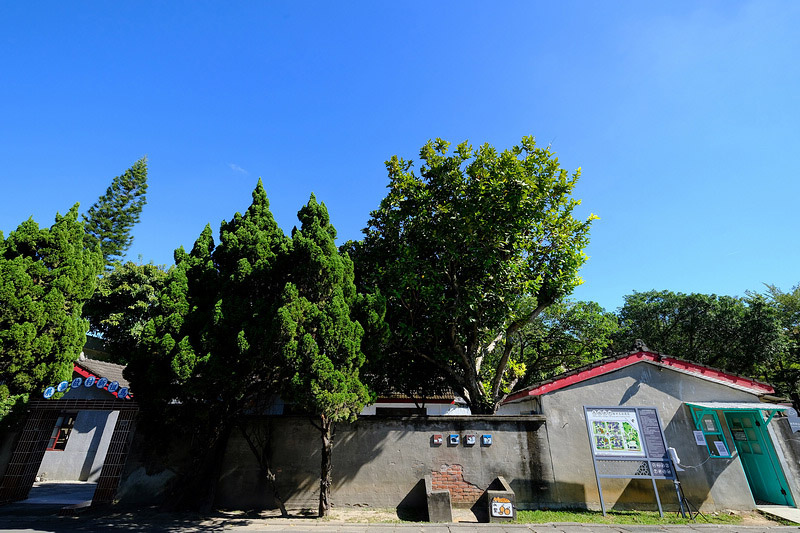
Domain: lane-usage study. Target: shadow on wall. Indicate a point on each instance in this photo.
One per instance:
(84, 425)
(295, 462)
(700, 470)
(414, 507)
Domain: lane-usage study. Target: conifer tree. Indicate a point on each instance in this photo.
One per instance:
(110, 219)
(46, 275)
(210, 346)
(320, 340)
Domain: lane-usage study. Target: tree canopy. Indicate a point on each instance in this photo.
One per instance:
(125, 299)
(255, 316)
(784, 370)
(566, 335)
(46, 275)
(453, 248)
(739, 335)
(110, 219)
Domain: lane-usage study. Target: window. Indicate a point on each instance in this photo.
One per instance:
(60, 434)
(715, 440)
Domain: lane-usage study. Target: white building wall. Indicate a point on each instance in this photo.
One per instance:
(83, 457)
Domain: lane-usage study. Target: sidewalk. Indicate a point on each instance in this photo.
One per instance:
(131, 522)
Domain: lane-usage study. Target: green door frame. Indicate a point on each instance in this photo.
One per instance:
(776, 487)
(722, 410)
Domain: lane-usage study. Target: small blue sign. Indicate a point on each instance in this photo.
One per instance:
(113, 386)
(61, 387)
(486, 440)
(89, 381)
(102, 382)
(453, 439)
(48, 392)
(76, 383)
(123, 393)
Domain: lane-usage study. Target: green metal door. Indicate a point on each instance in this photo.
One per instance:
(767, 482)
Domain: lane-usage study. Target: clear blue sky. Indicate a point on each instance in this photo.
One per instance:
(684, 116)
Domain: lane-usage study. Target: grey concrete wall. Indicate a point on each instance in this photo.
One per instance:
(83, 457)
(379, 462)
(711, 483)
(788, 451)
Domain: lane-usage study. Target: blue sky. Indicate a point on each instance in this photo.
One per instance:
(683, 116)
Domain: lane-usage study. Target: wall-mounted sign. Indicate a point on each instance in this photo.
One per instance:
(501, 507)
(699, 438)
(101, 383)
(721, 448)
(486, 440)
(453, 440)
(470, 440)
(437, 440)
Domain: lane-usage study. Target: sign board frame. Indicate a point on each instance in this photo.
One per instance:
(628, 443)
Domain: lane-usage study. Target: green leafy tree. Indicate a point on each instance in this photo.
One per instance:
(566, 335)
(454, 248)
(46, 275)
(110, 219)
(784, 372)
(320, 339)
(125, 300)
(741, 335)
(211, 345)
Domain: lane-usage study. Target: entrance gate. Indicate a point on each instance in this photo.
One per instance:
(29, 451)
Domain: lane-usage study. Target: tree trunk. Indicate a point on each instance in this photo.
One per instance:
(326, 431)
(262, 449)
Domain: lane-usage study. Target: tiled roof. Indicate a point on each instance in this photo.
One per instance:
(102, 369)
(610, 364)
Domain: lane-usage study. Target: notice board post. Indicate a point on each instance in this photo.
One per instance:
(628, 443)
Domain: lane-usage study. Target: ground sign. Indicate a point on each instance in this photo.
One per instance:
(628, 443)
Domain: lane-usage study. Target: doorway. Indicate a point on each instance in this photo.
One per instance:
(758, 458)
(37, 434)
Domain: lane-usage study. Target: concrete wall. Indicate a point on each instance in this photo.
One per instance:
(710, 483)
(788, 451)
(82, 459)
(379, 462)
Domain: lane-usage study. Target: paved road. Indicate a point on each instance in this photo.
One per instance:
(132, 523)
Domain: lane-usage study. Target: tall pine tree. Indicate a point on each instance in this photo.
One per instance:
(110, 220)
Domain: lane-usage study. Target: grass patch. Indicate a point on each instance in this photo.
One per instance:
(617, 517)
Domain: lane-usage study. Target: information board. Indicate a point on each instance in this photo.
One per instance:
(628, 442)
(615, 432)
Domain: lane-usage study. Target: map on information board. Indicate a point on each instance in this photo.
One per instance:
(615, 432)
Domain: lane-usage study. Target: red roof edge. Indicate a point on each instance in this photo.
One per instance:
(85, 373)
(629, 359)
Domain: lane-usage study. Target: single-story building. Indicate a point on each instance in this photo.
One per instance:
(733, 453)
